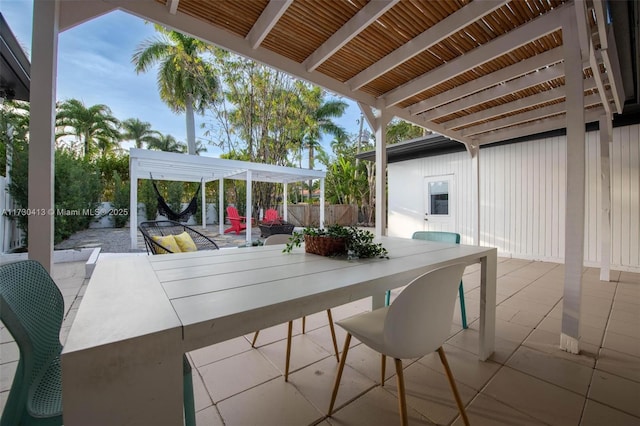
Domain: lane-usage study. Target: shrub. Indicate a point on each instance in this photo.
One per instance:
(147, 196)
(173, 197)
(120, 200)
(77, 190)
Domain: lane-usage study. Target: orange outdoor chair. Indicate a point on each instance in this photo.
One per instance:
(238, 223)
(271, 215)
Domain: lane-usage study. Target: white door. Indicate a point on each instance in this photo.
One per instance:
(438, 203)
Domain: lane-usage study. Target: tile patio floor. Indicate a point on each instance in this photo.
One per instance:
(528, 381)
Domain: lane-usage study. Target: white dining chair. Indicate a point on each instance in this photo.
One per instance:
(283, 239)
(417, 323)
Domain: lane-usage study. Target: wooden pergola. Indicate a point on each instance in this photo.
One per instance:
(477, 72)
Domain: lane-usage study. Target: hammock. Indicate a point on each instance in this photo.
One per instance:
(165, 210)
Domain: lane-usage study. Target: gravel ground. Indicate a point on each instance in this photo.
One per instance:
(116, 240)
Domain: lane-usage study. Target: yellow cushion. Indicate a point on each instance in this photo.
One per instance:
(185, 242)
(167, 241)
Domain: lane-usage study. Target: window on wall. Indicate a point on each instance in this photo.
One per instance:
(439, 198)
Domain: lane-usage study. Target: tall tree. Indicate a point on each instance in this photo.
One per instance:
(186, 81)
(14, 126)
(167, 143)
(259, 117)
(319, 119)
(139, 132)
(400, 131)
(94, 126)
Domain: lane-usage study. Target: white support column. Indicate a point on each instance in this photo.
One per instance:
(204, 204)
(474, 150)
(248, 208)
(322, 206)
(605, 173)
(44, 62)
(381, 172)
(133, 210)
(574, 214)
(8, 202)
(285, 202)
(221, 206)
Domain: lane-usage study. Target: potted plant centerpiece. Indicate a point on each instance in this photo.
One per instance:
(337, 240)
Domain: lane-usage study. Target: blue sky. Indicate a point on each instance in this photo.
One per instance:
(94, 66)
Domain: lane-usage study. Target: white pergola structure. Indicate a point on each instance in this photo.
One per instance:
(477, 72)
(144, 163)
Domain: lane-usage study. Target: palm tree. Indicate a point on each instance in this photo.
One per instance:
(319, 114)
(92, 126)
(200, 148)
(166, 143)
(186, 81)
(138, 131)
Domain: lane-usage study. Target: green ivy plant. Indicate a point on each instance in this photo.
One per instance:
(359, 242)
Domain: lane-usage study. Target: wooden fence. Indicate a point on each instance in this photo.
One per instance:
(309, 214)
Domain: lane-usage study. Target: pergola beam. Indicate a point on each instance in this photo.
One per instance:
(368, 115)
(587, 38)
(612, 64)
(434, 35)
(75, 12)
(172, 5)
(267, 20)
(498, 91)
(516, 70)
(354, 26)
(518, 37)
(535, 114)
(534, 127)
(524, 103)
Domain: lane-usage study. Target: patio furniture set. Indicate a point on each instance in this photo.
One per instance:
(187, 314)
(272, 223)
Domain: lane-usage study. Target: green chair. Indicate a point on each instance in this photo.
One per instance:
(32, 309)
(444, 237)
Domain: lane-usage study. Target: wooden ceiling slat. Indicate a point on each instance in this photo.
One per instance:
(307, 24)
(517, 11)
(236, 17)
(510, 58)
(374, 43)
(457, 44)
(555, 83)
(515, 112)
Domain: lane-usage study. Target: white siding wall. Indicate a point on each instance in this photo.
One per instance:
(522, 193)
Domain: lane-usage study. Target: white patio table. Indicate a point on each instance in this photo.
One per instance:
(122, 361)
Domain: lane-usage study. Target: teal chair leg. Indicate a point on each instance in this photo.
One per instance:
(189, 403)
(463, 310)
(387, 298)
